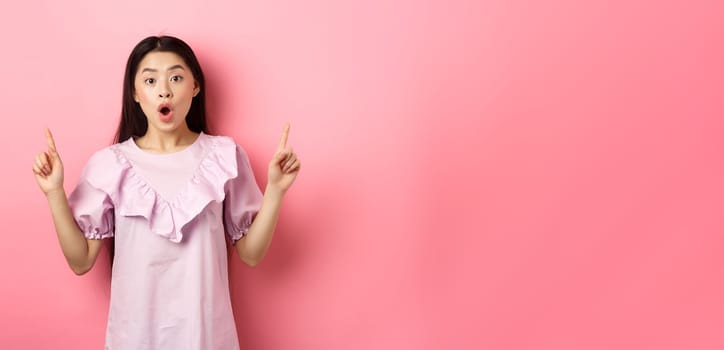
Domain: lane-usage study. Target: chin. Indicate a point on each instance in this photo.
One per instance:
(165, 127)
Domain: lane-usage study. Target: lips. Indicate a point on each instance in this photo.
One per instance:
(165, 112)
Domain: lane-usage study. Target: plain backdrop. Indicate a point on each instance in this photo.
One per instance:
(475, 174)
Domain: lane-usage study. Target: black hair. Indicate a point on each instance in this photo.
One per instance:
(133, 122)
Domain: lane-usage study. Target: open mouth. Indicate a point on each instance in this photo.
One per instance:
(165, 110)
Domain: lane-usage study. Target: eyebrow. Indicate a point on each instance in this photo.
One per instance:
(178, 66)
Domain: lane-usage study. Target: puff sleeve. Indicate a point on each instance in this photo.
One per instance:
(243, 199)
(92, 209)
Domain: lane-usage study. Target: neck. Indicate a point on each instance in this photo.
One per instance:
(166, 142)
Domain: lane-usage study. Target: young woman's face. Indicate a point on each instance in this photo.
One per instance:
(164, 87)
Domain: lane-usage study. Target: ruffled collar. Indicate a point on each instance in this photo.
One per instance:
(168, 218)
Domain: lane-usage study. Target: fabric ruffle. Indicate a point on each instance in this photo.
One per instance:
(243, 200)
(167, 218)
(92, 210)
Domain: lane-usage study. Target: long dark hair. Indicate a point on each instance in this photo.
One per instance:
(133, 122)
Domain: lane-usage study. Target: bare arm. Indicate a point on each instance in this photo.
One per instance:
(254, 245)
(80, 252)
(283, 170)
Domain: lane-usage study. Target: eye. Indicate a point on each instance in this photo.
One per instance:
(177, 78)
(149, 81)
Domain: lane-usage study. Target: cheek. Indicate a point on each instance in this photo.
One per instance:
(186, 94)
(186, 90)
(143, 95)
(138, 93)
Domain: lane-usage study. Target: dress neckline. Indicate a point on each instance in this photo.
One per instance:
(132, 141)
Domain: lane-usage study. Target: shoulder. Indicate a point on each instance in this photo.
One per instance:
(219, 140)
(105, 166)
(227, 153)
(105, 158)
(225, 144)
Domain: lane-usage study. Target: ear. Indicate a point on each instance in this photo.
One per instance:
(135, 97)
(197, 88)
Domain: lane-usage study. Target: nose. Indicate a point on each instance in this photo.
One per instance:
(164, 91)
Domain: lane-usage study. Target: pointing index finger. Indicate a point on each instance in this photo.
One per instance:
(49, 139)
(285, 136)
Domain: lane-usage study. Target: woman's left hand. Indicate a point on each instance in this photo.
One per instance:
(284, 166)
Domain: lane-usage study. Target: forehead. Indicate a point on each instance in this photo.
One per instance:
(161, 61)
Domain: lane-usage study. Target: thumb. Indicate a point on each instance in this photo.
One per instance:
(280, 155)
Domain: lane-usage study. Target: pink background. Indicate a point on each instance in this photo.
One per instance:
(476, 174)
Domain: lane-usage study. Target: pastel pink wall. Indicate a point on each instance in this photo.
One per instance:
(476, 174)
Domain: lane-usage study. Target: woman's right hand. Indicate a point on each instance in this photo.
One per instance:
(48, 168)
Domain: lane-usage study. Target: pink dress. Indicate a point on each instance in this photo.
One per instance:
(170, 215)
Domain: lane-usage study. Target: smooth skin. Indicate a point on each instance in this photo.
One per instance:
(164, 79)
